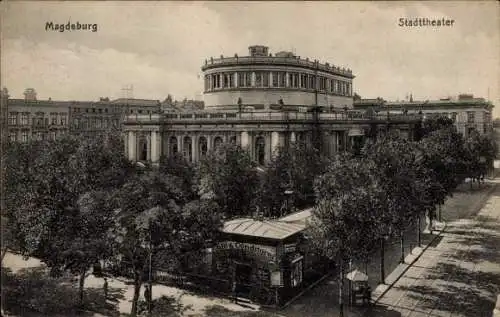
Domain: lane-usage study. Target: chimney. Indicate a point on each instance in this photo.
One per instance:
(30, 94)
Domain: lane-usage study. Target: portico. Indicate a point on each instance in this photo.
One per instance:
(148, 137)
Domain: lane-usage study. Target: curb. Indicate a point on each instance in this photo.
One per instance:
(389, 286)
(475, 208)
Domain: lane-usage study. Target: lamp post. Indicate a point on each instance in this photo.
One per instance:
(150, 272)
(288, 195)
(382, 259)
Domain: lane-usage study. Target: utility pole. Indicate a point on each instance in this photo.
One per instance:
(150, 299)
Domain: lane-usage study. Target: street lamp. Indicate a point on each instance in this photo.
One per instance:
(288, 195)
(382, 259)
(150, 271)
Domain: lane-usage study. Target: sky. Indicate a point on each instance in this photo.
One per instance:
(159, 47)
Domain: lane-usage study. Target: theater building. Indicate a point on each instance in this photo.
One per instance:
(262, 79)
(262, 102)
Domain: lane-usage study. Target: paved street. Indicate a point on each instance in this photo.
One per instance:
(460, 276)
(457, 275)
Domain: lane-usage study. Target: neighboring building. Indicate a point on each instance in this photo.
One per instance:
(261, 80)
(261, 102)
(466, 111)
(4, 96)
(186, 105)
(33, 119)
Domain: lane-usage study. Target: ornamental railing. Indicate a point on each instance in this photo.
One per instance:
(255, 116)
(293, 61)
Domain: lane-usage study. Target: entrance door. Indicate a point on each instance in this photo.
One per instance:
(243, 278)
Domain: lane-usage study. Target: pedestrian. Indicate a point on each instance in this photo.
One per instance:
(147, 293)
(235, 297)
(105, 288)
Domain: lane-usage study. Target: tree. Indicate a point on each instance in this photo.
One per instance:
(56, 202)
(481, 151)
(153, 219)
(83, 240)
(176, 165)
(148, 217)
(349, 216)
(36, 189)
(230, 174)
(430, 125)
(293, 168)
(444, 153)
(395, 161)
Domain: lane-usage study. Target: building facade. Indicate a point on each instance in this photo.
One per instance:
(466, 111)
(261, 80)
(261, 102)
(32, 119)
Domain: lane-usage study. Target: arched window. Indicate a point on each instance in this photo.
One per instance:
(299, 137)
(187, 149)
(217, 142)
(203, 146)
(143, 149)
(173, 145)
(260, 150)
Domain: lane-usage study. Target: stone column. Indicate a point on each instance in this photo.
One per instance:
(271, 79)
(165, 147)
(209, 143)
(346, 141)
(287, 80)
(335, 142)
(124, 137)
(245, 139)
(275, 142)
(193, 149)
(196, 148)
(147, 138)
(180, 144)
(253, 79)
(132, 145)
(155, 154)
(235, 79)
(269, 147)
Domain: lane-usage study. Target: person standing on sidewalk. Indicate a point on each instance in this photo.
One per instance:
(147, 293)
(105, 287)
(235, 296)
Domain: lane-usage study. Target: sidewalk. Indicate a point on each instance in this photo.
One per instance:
(123, 290)
(410, 259)
(323, 300)
(461, 200)
(459, 277)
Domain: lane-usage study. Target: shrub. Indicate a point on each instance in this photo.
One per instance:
(165, 306)
(33, 291)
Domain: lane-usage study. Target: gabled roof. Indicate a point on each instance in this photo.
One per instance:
(272, 229)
